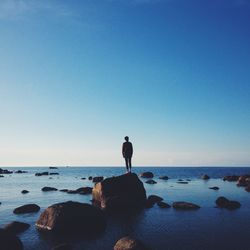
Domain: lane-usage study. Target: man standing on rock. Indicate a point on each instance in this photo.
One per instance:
(127, 152)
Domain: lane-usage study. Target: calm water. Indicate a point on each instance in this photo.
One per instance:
(163, 229)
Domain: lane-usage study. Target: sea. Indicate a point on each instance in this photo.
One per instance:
(208, 228)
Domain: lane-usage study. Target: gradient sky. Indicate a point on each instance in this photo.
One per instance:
(77, 76)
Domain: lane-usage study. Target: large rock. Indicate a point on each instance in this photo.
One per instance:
(47, 189)
(243, 181)
(9, 241)
(5, 171)
(223, 202)
(120, 192)
(42, 173)
(28, 208)
(162, 204)
(182, 205)
(16, 227)
(154, 198)
(72, 218)
(231, 178)
(147, 175)
(128, 243)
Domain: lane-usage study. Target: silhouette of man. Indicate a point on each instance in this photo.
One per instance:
(127, 152)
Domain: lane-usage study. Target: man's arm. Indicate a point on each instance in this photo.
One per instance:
(123, 146)
(131, 149)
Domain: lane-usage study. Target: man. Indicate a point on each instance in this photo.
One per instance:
(127, 152)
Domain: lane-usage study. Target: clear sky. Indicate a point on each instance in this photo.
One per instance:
(78, 76)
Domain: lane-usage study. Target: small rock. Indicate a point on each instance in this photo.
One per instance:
(24, 191)
(28, 208)
(162, 204)
(231, 178)
(20, 172)
(90, 178)
(53, 167)
(243, 181)
(147, 175)
(98, 179)
(154, 198)
(64, 190)
(9, 241)
(84, 190)
(41, 174)
(247, 188)
(16, 227)
(182, 182)
(182, 205)
(1, 175)
(164, 177)
(151, 182)
(128, 243)
(83, 178)
(5, 171)
(62, 247)
(205, 177)
(214, 188)
(47, 189)
(53, 173)
(223, 202)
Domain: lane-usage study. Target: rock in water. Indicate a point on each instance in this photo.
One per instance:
(150, 182)
(162, 204)
(205, 177)
(47, 189)
(29, 208)
(182, 205)
(72, 218)
(120, 192)
(164, 177)
(214, 188)
(24, 191)
(16, 227)
(128, 243)
(223, 202)
(231, 178)
(147, 175)
(154, 198)
(97, 179)
(9, 241)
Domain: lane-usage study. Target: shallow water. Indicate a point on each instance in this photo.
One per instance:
(163, 229)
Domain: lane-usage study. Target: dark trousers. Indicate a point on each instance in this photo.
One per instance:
(128, 163)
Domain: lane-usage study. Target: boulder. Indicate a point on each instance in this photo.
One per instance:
(72, 218)
(248, 188)
(223, 202)
(154, 198)
(147, 175)
(90, 178)
(84, 190)
(182, 182)
(9, 241)
(164, 177)
(16, 227)
(53, 167)
(83, 178)
(214, 188)
(162, 204)
(1, 176)
(47, 189)
(150, 182)
(64, 190)
(20, 172)
(231, 178)
(62, 247)
(97, 179)
(41, 174)
(182, 205)
(243, 181)
(28, 208)
(205, 177)
(120, 192)
(5, 171)
(24, 191)
(128, 243)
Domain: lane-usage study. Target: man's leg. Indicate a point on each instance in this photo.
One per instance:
(127, 164)
(130, 166)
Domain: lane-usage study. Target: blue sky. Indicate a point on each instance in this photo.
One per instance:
(77, 76)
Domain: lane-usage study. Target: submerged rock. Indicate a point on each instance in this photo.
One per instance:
(164, 177)
(97, 179)
(120, 192)
(162, 204)
(20, 172)
(147, 175)
(214, 188)
(24, 191)
(205, 177)
(150, 182)
(72, 218)
(16, 227)
(182, 205)
(128, 243)
(53, 173)
(182, 182)
(28, 208)
(47, 189)
(9, 241)
(223, 202)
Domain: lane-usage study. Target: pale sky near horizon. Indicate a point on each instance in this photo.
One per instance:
(78, 76)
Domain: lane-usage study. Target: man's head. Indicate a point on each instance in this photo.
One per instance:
(126, 138)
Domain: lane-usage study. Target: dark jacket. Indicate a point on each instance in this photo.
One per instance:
(127, 149)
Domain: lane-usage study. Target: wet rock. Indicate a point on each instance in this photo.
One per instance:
(182, 205)
(150, 182)
(20, 172)
(83, 178)
(5, 171)
(47, 189)
(214, 188)
(120, 193)
(53, 173)
(72, 192)
(149, 204)
(1, 176)
(128, 243)
(243, 181)
(9, 241)
(42, 173)
(248, 188)
(90, 178)
(223, 202)
(53, 167)
(154, 198)
(64, 190)
(231, 178)
(205, 177)
(62, 247)
(97, 179)
(16, 227)
(147, 175)
(162, 204)
(84, 190)
(182, 182)
(72, 218)
(24, 191)
(28, 208)
(164, 177)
